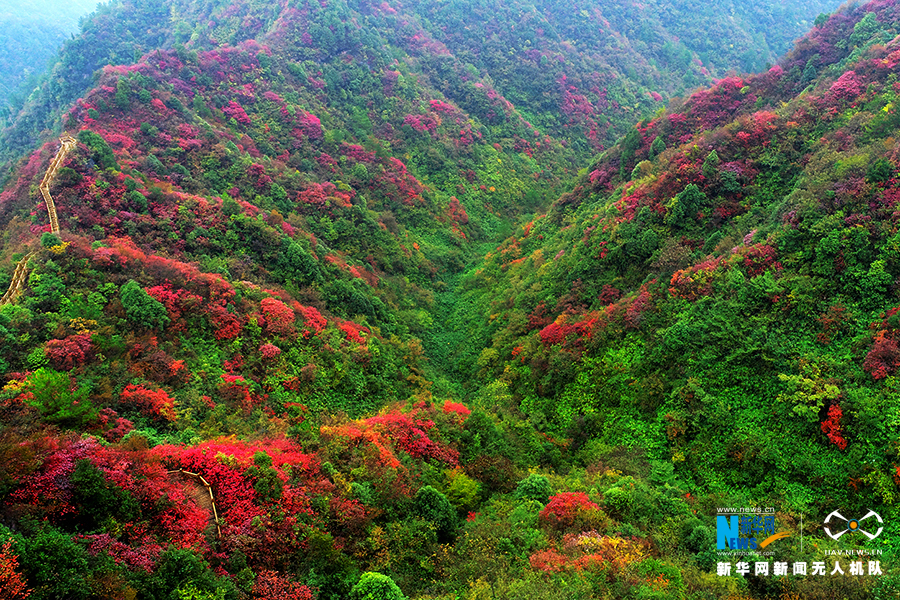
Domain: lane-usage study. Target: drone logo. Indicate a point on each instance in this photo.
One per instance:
(853, 525)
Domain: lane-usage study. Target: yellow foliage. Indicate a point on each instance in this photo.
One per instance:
(14, 385)
(83, 326)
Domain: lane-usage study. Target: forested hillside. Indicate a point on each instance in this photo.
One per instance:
(582, 73)
(352, 300)
(30, 36)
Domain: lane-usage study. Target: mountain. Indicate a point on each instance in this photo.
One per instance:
(29, 39)
(581, 72)
(720, 288)
(316, 302)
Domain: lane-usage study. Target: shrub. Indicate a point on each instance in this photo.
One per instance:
(534, 487)
(462, 490)
(375, 586)
(433, 506)
(279, 317)
(571, 510)
(12, 585)
(98, 498)
(49, 240)
(141, 308)
(52, 394)
(70, 352)
(54, 564)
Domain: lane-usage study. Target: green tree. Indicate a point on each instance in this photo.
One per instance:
(49, 240)
(183, 570)
(711, 165)
(534, 487)
(657, 147)
(141, 308)
(54, 397)
(100, 499)
(433, 506)
(685, 205)
(101, 153)
(375, 586)
(864, 29)
(123, 93)
(462, 490)
(54, 564)
(267, 483)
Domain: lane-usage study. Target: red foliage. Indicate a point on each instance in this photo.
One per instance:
(227, 325)
(117, 426)
(270, 585)
(357, 153)
(49, 487)
(12, 583)
(847, 87)
(695, 281)
(457, 409)
(315, 322)
(563, 509)
(352, 331)
(270, 351)
(142, 557)
(422, 123)
(634, 312)
(279, 317)
(558, 331)
(548, 561)
(398, 183)
(236, 111)
(759, 258)
(224, 464)
(409, 434)
(236, 389)
(539, 317)
(609, 294)
(177, 302)
(70, 352)
(884, 357)
(457, 212)
(832, 426)
(153, 403)
(310, 125)
(406, 432)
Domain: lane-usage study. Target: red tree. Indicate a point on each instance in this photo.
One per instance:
(153, 403)
(70, 352)
(832, 426)
(12, 584)
(279, 317)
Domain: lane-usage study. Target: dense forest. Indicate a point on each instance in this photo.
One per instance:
(450, 300)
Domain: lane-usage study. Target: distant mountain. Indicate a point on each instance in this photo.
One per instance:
(30, 37)
(579, 72)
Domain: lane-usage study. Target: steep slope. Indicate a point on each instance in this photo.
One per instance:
(30, 36)
(720, 288)
(581, 73)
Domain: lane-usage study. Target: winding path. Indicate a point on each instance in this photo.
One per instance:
(67, 142)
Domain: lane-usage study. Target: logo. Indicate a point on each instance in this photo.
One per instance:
(745, 532)
(852, 525)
